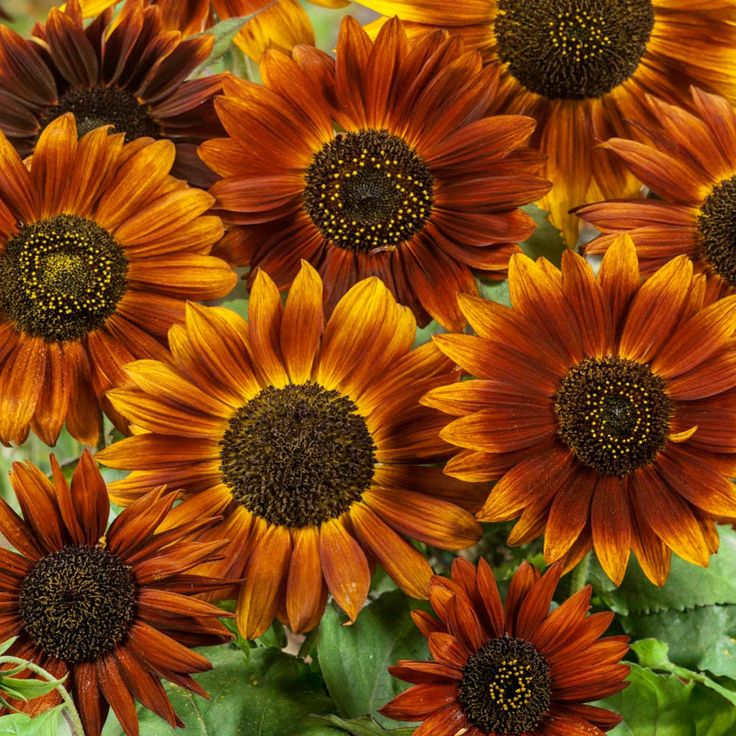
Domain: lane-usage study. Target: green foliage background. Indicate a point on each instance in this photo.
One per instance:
(683, 677)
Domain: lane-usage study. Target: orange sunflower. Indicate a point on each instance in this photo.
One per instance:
(582, 68)
(111, 610)
(129, 72)
(691, 167)
(513, 670)
(99, 249)
(418, 185)
(308, 439)
(605, 409)
(279, 24)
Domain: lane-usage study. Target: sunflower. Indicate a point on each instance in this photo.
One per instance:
(99, 249)
(420, 186)
(310, 441)
(111, 610)
(4, 15)
(279, 24)
(691, 167)
(606, 410)
(129, 73)
(581, 68)
(517, 670)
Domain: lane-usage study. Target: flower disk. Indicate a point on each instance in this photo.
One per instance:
(61, 277)
(717, 228)
(298, 455)
(368, 191)
(505, 687)
(614, 414)
(78, 603)
(572, 49)
(96, 106)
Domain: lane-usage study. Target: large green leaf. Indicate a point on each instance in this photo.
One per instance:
(694, 613)
(354, 659)
(49, 723)
(263, 692)
(655, 655)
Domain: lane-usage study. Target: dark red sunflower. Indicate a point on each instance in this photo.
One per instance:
(582, 70)
(99, 250)
(111, 610)
(691, 167)
(129, 72)
(392, 167)
(308, 437)
(605, 410)
(513, 670)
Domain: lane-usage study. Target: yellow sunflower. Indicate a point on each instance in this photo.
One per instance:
(99, 250)
(582, 68)
(308, 438)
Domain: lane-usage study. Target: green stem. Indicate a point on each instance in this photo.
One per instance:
(579, 576)
(76, 721)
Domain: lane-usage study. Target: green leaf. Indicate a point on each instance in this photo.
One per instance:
(546, 241)
(655, 655)
(694, 612)
(653, 705)
(364, 727)
(424, 334)
(495, 291)
(7, 644)
(270, 694)
(224, 33)
(355, 659)
(27, 689)
(48, 723)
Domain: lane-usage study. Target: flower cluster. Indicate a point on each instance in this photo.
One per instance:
(293, 451)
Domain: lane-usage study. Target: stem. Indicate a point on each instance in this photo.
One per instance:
(76, 721)
(579, 576)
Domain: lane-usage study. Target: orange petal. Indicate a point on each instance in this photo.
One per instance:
(345, 567)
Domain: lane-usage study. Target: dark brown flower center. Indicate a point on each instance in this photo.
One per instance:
(96, 106)
(614, 414)
(572, 49)
(297, 456)
(78, 603)
(506, 687)
(368, 191)
(717, 227)
(62, 277)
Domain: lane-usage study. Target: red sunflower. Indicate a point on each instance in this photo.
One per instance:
(308, 438)
(111, 610)
(128, 72)
(605, 410)
(385, 162)
(691, 167)
(513, 670)
(99, 250)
